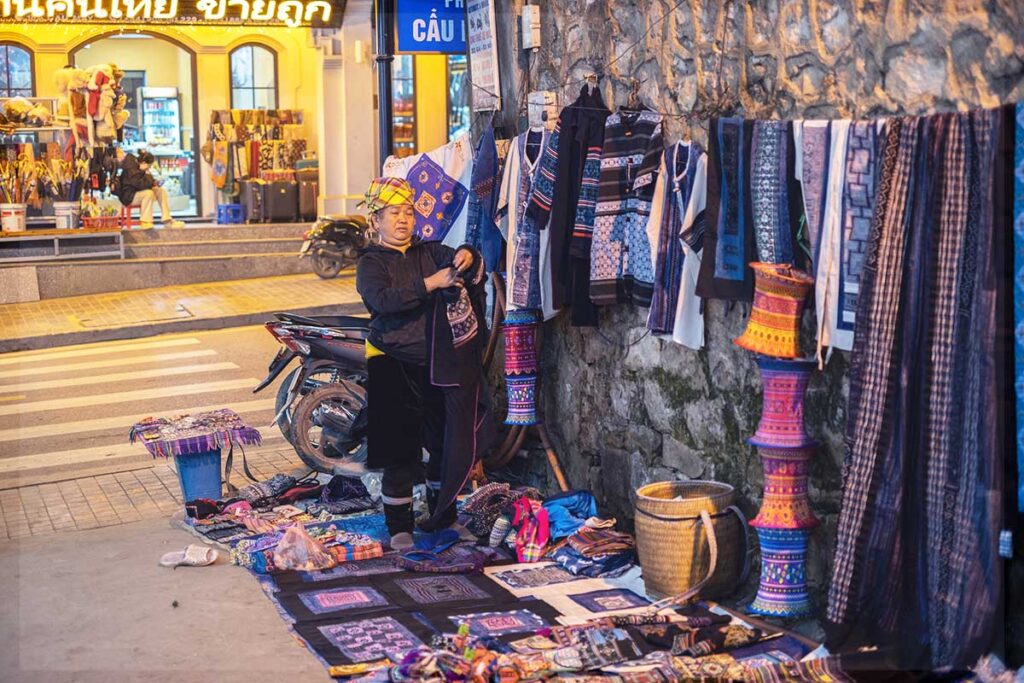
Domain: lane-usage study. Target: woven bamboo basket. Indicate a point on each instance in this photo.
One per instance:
(675, 549)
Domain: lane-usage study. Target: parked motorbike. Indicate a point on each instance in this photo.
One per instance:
(334, 242)
(321, 405)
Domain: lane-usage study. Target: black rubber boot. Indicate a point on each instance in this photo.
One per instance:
(399, 518)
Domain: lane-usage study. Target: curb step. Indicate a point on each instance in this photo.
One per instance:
(169, 326)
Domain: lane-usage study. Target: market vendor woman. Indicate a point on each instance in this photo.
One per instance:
(426, 382)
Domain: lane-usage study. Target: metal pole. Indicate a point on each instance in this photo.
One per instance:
(385, 17)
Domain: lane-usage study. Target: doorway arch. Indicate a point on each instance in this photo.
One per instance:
(189, 49)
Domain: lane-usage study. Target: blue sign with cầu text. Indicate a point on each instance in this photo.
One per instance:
(431, 26)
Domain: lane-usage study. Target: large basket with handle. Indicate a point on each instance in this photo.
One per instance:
(691, 538)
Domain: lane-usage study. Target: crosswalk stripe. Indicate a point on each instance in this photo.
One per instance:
(22, 463)
(19, 357)
(123, 422)
(118, 377)
(127, 396)
(24, 372)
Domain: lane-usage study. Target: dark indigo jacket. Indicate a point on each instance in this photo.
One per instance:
(132, 179)
(391, 285)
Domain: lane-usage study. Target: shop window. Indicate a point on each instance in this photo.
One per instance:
(458, 96)
(17, 76)
(403, 81)
(253, 77)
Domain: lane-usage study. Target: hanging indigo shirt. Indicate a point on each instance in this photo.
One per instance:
(676, 234)
(729, 242)
(528, 258)
(481, 232)
(620, 254)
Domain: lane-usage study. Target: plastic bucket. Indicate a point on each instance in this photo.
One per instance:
(12, 217)
(67, 215)
(199, 475)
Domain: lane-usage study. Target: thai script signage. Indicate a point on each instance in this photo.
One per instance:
(293, 13)
(431, 26)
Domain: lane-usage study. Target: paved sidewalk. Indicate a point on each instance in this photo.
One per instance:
(146, 312)
(113, 499)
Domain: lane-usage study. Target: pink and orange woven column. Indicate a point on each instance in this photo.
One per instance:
(785, 521)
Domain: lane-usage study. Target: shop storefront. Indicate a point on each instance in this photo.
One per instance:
(193, 74)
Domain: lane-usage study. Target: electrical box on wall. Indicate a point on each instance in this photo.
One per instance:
(542, 108)
(531, 27)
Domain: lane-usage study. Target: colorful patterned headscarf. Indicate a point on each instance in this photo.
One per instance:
(387, 192)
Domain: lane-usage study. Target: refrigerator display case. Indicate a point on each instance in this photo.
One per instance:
(161, 119)
(161, 134)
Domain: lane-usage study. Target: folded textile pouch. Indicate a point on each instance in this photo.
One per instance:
(265, 493)
(604, 566)
(595, 542)
(569, 511)
(483, 507)
(343, 495)
(201, 508)
(461, 558)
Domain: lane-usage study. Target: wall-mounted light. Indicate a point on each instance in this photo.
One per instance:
(360, 49)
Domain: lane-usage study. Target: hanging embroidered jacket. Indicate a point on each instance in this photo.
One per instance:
(729, 241)
(620, 254)
(440, 180)
(573, 161)
(676, 234)
(528, 259)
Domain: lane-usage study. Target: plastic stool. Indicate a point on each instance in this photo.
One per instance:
(127, 223)
(229, 214)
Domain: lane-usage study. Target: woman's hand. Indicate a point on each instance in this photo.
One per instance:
(463, 260)
(442, 279)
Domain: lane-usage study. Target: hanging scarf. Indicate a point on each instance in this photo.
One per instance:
(813, 140)
(729, 241)
(220, 164)
(769, 196)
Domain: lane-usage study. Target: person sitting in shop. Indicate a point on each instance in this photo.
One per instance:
(426, 386)
(136, 186)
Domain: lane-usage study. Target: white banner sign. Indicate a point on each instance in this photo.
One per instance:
(483, 55)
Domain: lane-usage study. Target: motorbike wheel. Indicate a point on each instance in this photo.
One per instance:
(346, 399)
(317, 379)
(325, 265)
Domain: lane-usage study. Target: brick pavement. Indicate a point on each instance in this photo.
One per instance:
(112, 499)
(211, 300)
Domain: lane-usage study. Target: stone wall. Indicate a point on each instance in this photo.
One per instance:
(625, 408)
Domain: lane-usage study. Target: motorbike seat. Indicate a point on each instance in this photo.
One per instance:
(347, 322)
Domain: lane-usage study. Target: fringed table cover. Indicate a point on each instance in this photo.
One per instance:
(193, 434)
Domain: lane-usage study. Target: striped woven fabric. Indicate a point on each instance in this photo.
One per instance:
(918, 534)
